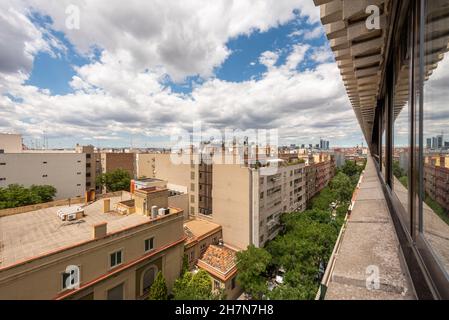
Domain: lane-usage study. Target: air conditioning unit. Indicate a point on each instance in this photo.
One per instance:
(167, 211)
(71, 217)
(161, 211)
(154, 212)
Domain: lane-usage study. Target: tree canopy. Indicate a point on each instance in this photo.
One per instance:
(16, 195)
(251, 264)
(116, 180)
(342, 187)
(194, 286)
(158, 290)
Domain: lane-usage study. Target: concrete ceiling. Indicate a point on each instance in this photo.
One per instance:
(358, 50)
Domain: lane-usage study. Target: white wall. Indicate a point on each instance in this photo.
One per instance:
(61, 169)
(10, 143)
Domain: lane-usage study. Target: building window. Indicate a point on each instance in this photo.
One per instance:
(116, 293)
(44, 176)
(45, 162)
(87, 156)
(192, 175)
(192, 210)
(233, 283)
(2, 163)
(203, 248)
(116, 258)
(149, 244)
(2, 179)
(192, 187)
(148, 278)
(191, 256)
(434, 151)
(192, 199)
(68, 278)
(217, 285)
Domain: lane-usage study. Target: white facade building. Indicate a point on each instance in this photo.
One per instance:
(64, 171)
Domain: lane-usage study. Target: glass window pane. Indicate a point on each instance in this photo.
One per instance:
(401, 123)
(436, 129)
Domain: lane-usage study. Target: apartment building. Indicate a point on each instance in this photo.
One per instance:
(106, 162)
(110, 161)
(64, 171)
(242, 198)
(91, 165)
(93, 251)
(436, 178)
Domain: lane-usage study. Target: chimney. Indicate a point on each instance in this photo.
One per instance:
(106, 205)
(100, 230)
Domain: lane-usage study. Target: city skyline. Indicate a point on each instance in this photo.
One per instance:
(260, 72)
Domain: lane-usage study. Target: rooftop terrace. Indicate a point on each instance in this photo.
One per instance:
(198, 229)
(28, 235)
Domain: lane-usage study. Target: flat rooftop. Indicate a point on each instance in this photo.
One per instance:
(197, 229)
(28, 235)
(148, 180)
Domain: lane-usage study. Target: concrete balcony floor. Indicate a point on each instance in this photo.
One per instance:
(369, 243)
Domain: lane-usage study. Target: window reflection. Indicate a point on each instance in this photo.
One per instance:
(401, 124)
(435, 130)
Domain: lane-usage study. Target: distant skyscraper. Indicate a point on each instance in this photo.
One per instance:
(440, 142)
(327, 145)
(434, 143)
(429, 143)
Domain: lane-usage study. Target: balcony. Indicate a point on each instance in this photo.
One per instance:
(367, 262)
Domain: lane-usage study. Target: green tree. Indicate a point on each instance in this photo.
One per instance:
(323, 200)
(342, 186)
(158, 290)
(351, 169)
(404, 181)
(252, 265)
(185, 265)
(45, 192)
(16, 195)
(194, 286)
(116, 180)
(398, 172)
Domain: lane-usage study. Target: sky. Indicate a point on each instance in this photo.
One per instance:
(139, 72)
